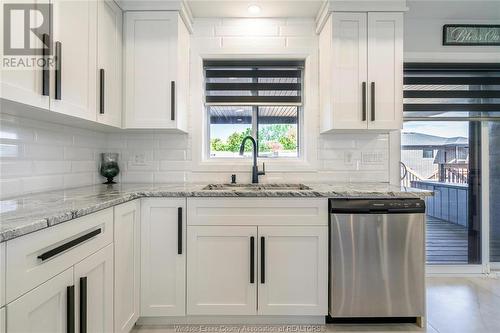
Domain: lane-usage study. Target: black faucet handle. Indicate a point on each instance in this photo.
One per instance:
(263, 172)
(233, 179)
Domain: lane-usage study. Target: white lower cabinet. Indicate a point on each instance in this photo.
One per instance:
(293, 274)
(289, 274)
(163, 257)
(127, 265)
(45, 308)
(220, 279)
(94, 292)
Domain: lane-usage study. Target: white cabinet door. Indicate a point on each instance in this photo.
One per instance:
(3, 328)
(163, 257)
(127, 265)
(385, 70)
(150, 69)
(219, 270)
(293, 274)
(109, 63)
(75, 34)
(43, 309)
(2, 273)
(349, 70)
(22, 84)
(94, 292)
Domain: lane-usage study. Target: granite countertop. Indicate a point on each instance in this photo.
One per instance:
(22, 215)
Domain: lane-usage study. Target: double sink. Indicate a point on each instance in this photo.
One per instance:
(257, 187)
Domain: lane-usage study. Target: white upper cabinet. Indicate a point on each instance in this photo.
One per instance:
(156, 70)
(24, 85)
(73, 83)
(361, 71)
(385, 70)
(109, 63)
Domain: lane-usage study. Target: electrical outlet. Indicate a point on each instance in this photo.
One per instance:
(348, 157)
(139, 159)
(373, 157)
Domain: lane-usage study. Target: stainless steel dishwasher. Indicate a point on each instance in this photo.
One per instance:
(377, 258)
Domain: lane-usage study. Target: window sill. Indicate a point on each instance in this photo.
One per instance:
(244, 165)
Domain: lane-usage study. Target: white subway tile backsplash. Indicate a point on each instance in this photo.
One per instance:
(43, 152)
(51, 167)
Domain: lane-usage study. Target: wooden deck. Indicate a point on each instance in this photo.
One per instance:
(446, 243)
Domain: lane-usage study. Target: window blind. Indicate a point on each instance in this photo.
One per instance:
(450, 90)
(233, 82)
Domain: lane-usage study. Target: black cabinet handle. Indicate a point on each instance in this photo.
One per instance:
(70, 309)
(68, 245)
(262, 260)
(373, 101)
(83, 304)
(179, 230)
(45, 70)
(58, 70)
(101, 91)
(363, 87)
(252, 259)
(172, 100)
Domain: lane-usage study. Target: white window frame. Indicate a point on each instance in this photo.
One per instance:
(308, 116)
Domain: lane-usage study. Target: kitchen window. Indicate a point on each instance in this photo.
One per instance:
(258, 98)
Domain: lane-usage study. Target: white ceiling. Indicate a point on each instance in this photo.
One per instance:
(269, 8)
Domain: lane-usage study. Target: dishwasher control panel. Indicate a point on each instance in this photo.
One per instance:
(377, 206)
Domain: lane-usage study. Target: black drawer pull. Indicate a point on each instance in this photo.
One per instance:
(83, 304)
(70, 309)
(172, 100)
(252, 259)
(262, 260)
(363, 87)
(45, 70)
(68, 245)
(179, 230)
(101, 91)
(373, 101)
(58, 71)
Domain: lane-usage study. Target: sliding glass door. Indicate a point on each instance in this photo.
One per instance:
(444, 106)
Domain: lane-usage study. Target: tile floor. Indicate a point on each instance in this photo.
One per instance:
(454, 305)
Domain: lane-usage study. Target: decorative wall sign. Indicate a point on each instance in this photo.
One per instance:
(471, 34)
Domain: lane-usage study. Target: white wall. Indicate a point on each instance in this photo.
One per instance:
(178, 157)
(39, 156)
(424, 27)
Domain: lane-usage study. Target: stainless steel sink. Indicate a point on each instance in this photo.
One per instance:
(257, 187)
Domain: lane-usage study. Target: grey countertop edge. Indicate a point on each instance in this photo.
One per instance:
(63, 216)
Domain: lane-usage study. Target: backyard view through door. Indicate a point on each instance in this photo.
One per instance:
(435, 156)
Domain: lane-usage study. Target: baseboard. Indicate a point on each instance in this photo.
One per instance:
(233, 320)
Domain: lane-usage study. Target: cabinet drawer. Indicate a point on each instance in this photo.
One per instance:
(2, 274)
(257, 211)
(35, 258)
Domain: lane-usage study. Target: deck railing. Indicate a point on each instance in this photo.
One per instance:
(449, 201)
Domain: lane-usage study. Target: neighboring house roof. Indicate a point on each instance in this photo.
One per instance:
(420, 140)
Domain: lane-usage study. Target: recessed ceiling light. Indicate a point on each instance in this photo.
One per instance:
(254, 9)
